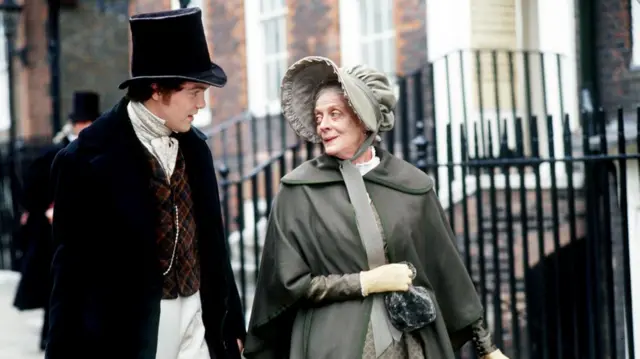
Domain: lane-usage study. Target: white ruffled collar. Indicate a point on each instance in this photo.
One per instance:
(367, 166)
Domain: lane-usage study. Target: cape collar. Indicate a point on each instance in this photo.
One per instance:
(392, 172)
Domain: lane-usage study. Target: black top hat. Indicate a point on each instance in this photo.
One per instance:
(172, 44)
(86, 106)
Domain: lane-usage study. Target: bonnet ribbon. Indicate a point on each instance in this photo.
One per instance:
(383, 331)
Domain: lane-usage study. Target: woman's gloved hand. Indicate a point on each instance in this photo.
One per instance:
(387, 278)
(496, 354)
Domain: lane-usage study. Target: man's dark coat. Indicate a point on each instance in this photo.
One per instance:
(107, 281)
(33, 288)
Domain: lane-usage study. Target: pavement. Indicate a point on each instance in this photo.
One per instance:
(19, 331)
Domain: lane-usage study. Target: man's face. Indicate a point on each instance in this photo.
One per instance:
(80, 125)
(179, 107)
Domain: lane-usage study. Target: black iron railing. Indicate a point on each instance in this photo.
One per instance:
(13, 165)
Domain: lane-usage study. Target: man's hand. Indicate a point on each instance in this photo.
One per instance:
(240, 345)
(496, 354)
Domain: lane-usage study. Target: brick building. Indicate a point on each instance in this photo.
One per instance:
(93, 56)
(610, 51)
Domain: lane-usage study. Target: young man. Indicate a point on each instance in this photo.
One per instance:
(141, 268)
(37, 201)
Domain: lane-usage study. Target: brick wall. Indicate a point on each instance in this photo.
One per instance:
(139, 6)
(411, 34)
(313, 28)
(226, 35)
(94, 53)
(619, 85)
(32, 82)
(93, 56)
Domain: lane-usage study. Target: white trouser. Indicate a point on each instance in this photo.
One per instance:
(181, 331)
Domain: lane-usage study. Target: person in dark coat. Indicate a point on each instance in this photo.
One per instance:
(33, 288)
(141, 267)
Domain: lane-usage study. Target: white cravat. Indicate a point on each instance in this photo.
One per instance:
(154, 135)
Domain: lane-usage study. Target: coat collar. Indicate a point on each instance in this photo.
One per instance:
(113, 131)
(120, 160)
(392, 172)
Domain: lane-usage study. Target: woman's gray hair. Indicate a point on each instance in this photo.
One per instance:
(331, 84)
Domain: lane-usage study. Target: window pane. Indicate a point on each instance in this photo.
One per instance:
(277, 45)
(265, 34)
(282, 33)
(380, 55)
(391, 55)
(364, 47)
(387, 15)
(275, 81)
(376, 11)
(363, 18)
(268, 33)
(267, 78)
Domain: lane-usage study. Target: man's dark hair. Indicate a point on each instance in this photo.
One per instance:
(142, 90)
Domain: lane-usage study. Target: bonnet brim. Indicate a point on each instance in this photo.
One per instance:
(299, 87)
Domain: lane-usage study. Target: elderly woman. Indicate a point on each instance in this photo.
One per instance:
(352, 227)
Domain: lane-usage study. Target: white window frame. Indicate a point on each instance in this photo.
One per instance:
(204, 117)
(352, 38)
(5, 121)
(257, 77)
(635, 33)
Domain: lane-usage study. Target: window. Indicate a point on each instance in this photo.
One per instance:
(204, 117)
(266, 53)
(494, 25)
(4, 81)
(635, 33)
(368, 34)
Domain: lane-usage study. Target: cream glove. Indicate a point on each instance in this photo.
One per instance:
(387, 278)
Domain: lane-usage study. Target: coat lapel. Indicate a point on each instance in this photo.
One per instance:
(124, 165)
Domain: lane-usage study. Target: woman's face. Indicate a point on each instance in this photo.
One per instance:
(341, 131)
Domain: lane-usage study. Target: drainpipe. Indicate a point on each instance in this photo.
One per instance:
(589, 80)
(53, 35)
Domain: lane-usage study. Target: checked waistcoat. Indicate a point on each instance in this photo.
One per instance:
(183, 279)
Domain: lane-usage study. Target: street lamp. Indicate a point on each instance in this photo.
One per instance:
(10, 12)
